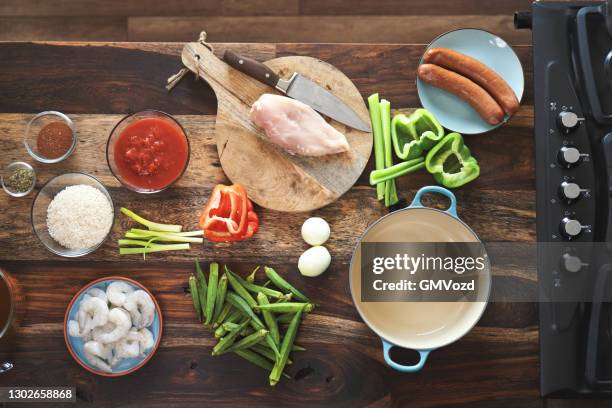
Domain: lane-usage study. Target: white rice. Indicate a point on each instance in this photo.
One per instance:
(79, 217)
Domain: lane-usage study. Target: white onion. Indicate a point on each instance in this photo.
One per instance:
(315, 231)
(314, 261)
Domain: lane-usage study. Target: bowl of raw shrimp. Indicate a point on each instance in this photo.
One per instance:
(113, 326)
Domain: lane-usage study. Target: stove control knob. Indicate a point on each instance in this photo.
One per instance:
(571, 263)
(569, 156)
(570, 228)
(568, 121)
(570, 192)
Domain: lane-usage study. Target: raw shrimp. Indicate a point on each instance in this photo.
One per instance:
(99, 293)
(98, 355)
(146, 340)
(93, 312)
(122, 323)
(74, 329)
(127, 347)
(118, 291)
(100, 330)
(141, 308)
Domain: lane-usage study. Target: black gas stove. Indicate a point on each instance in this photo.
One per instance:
(572, 58)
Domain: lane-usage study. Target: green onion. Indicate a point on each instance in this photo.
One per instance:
(150, 224)
(196, 233)
(160, 236)
(152, 248)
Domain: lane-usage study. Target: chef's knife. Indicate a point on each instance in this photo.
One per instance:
(300, 88)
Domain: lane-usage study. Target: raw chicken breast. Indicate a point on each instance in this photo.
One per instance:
(296, 127)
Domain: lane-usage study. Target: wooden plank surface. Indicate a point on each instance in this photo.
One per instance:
(126, 8)
(497, 361)
(395, 29)
(63, 28)
(385, 21)
(414, 7)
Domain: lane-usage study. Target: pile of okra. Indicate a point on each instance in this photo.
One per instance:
(247, 317)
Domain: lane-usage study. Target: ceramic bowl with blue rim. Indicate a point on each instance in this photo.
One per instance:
(451, 111)
(76, 345)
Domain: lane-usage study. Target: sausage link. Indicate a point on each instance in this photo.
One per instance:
(477, 72)
(460, 86)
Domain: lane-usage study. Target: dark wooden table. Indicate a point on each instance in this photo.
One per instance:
(496, 364)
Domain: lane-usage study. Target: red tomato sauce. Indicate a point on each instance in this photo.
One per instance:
(151, 153)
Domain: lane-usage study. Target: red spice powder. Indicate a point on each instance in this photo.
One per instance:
(54, 140)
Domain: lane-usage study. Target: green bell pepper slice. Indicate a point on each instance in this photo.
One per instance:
(414, 134)
(451, 162)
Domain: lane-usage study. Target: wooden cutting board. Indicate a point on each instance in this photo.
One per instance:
(274, 178)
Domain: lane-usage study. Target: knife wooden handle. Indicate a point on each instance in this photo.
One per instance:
(251, 67)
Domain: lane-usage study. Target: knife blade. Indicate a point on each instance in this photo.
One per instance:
(300, 88)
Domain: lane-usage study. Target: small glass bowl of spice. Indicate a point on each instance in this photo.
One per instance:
(18, 179)
(50, 137)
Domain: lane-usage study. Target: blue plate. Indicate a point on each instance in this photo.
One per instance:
(452, 112)
(76, 344)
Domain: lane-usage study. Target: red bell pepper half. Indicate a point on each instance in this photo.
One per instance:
(229, 215)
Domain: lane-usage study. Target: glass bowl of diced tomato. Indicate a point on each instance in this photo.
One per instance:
(148, 151)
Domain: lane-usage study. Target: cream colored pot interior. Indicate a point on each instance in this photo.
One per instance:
(418, 325)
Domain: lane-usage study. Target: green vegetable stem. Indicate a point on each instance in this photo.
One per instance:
(240, 304)
(248, 341)
(283, 285)
(269, 319)
(202, 287)
(196, 233)
(162, 236)
(288, 340)
(295, 347)
(288, 307)
(193, 288)
(235, 282)
(253, 288)
(229, 339)
(266, 352)
(284, 318)
(150, 224)
(256, 359)
(148, 247)
(227, 308)
(251, 276)
(220, 300)
(385, 117)
(211, 296)
(232, 318)
(379, 146)
(380, 176)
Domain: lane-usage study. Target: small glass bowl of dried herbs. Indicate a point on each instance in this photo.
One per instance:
(18, 179)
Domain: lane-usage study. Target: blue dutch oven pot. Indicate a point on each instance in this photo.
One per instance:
(454, 230)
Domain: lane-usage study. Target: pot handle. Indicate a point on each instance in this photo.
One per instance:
(452, 209)
(403, 368)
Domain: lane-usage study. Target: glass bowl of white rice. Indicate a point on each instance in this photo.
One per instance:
(73, 214)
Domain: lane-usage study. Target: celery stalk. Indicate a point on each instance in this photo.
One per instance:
(379, 176)
(150, 224)
(385, 118)
(379, 147)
